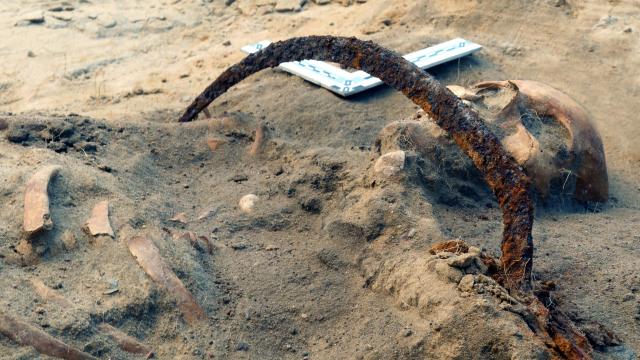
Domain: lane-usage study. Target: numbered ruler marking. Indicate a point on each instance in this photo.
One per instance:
(347, 83)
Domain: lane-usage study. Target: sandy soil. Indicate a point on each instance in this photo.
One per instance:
(287, 280)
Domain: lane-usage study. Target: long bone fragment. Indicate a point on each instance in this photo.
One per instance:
(36, 201)
(507, 180)
(98, 223)
(50, 295)
(124, 341)
(28, 335)
(148, 256)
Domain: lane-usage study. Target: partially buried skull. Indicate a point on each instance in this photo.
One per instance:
(545, 130)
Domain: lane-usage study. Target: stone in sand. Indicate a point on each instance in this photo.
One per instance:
(248, 202)
(390, 163)
(288, 5)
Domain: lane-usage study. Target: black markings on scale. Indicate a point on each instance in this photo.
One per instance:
(346, 85)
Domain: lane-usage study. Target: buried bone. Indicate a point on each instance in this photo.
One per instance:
(180, 218)
(258, 142)
(546, 131)
(201, 242)
(98, 224)
(390, 163)
(124, 341)
(28, 335)
(37, 217)
(248, 202)
(148, 257)
(50, 295)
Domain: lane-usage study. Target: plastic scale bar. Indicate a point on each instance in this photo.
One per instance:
(347, 83)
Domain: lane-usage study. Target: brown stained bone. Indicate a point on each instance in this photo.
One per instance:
(507, 180)
(180, 218)
(207, 243)
(28, 335)
(586, 147)
(258, 141)
(37, 217)
(214, 143)
(98, 224)
(148, 256)
(592, 179)
(198, 242)
(126, 342)
(50, 295)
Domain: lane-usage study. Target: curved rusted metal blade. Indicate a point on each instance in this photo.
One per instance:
(504, 176)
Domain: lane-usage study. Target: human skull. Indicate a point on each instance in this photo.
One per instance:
(545, 130)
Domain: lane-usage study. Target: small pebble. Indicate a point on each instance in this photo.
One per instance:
(466, 283)
(248, 202)
(390, 163)
(239, 246)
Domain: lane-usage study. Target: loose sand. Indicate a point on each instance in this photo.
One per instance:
(288, 277)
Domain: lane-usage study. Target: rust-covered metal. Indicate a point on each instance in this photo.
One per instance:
(504, 176)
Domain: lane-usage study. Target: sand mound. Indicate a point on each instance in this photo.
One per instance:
(319, 218)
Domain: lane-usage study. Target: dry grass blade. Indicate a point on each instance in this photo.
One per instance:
(150, 260)
(28, 335)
